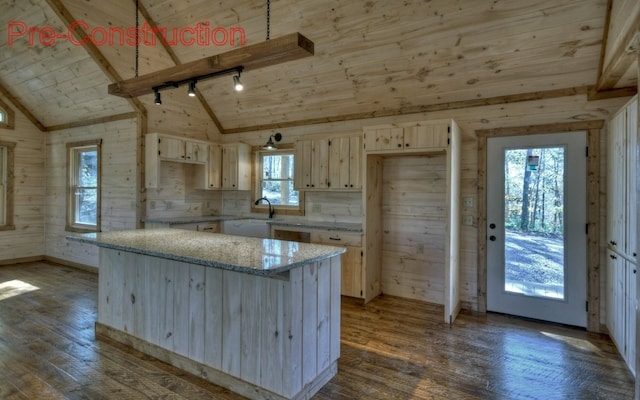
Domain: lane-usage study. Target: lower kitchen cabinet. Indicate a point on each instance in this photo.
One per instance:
(621, 306)
(352, 273)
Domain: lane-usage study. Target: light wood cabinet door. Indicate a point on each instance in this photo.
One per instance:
(339, 163)
(384, 138)
(426, 136)
(311, 164)
(320, 164)
(229, 167)
(196, 152)
(214, 167)
(355, 162)
(352, 272)
(302, 160)
(171, 148)
(236, 166)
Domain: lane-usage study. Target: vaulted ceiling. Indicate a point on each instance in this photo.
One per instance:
(372, 57)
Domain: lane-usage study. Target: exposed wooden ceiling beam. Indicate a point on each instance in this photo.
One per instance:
(93, 50)
(94, 121)
(18, 104)
(621, 59)
(174, 57)
(271, 52)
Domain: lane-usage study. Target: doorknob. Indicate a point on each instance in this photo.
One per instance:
(492, 238)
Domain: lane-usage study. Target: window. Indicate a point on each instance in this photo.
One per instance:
(6, 185)
(83, 201)
(6, 116)
(275, 171)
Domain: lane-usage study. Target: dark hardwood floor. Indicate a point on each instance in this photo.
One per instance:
(391, 349)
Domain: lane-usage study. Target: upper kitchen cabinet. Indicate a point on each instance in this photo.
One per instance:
(329, 164)
(161, 147)
(173, 148)
(311, 164)
(236, 166)
(209, 177)
(345, 163)
(409, 136)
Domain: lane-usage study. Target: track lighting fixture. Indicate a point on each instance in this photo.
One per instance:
(270, 145)
(192, 82)
(236, 83)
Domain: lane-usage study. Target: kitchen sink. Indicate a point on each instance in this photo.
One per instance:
(247, 227)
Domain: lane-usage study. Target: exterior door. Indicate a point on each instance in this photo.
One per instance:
(536, 227)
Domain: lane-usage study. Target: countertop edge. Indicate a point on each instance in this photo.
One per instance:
(208, 263)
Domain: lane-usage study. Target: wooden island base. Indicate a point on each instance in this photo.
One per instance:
(264, 337)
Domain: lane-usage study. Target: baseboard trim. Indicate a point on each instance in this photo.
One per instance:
(67, 263)
(21, 260)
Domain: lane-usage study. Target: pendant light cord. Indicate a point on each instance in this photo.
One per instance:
(268, 18)
(137, 38)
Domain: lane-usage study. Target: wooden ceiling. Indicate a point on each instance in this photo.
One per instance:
(372, 57)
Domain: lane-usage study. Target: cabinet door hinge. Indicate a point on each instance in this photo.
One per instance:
(586, 306)
(448, 141)
(362, 254)
(586, 151)
(329, 142)
(448, 129)
(586, 229)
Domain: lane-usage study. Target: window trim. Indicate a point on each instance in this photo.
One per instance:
(256, 184)
(9, 204)
(71, 226)
(8, 122)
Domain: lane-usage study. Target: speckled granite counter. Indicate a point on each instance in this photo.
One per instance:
(260, 317)
(237, 253)
(278, 221)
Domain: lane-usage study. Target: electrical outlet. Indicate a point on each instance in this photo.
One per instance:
(152, 205)
(467, 220)
(316, 208)
(420, 248)
(468, 202)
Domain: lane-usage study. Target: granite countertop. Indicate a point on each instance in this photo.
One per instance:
(238, 253)
(288, 221)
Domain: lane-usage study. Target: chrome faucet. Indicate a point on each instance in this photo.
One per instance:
(271, 209)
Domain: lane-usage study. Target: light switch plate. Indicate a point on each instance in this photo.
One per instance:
(468, 202)
(467, 220)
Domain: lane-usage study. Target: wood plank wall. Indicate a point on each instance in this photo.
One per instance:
(414, 226)
(119, 186)
(177, 196)
(560, 110)
(27, 239)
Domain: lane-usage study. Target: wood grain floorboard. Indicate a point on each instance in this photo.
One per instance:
(391, 348)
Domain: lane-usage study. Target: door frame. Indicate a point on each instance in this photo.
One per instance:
(593, 207)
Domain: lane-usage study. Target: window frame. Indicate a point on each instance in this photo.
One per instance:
(7, 175)
(72, 166)
(263, 207)
(7, 121)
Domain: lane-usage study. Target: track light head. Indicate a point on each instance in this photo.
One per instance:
(158, 100)
(236, 83)
(192, 89)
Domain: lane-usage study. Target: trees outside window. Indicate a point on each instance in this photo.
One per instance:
(83, 201)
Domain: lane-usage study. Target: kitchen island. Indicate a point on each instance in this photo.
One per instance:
(260, 317)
